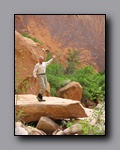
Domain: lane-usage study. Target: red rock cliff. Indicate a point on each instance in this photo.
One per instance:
(60, 32)
(27, 53)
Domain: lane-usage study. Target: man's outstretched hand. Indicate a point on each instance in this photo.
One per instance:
(54, 56)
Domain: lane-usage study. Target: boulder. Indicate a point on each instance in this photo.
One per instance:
(19, 124)
(95, 116)
(53, 107)
(71, 91)
(27, 53)
(47, 125)
(32, 86)
(34, 131)
(74, 129)
(20, 131)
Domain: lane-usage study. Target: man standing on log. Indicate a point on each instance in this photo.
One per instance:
(39, 72)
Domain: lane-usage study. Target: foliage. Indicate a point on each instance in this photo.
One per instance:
(55, 76)
(32, 38)
(99, 127)
(87, 129)
(56, 82)
(93, 83)
(19, 114)
(73, 61)
(68, 124)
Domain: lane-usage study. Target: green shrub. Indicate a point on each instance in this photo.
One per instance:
(56, 82)
(55, 75)
(93, 83)
(73, 61)
(99, 127)
(32, 38)
(19, 114)
(87, 129)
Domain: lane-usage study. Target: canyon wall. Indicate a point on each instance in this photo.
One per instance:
(58, 33)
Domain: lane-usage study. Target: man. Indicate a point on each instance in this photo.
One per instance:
(39, 72)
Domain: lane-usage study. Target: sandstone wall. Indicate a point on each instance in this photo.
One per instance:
(27, 53)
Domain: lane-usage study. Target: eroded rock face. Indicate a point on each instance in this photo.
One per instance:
(31, 86)
(27, 53)
(83, 32)
(71, 91)
(53, 107)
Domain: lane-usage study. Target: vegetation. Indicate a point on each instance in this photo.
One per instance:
(98, 128)
(73, 61)
(32, 38)
(56, 76)
(93, 83)
(19, 114)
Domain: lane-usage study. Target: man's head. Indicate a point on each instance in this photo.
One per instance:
(41, 59)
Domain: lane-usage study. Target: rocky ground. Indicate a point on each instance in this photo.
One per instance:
(51, 116)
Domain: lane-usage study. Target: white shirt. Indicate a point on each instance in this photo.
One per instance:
(41, 68)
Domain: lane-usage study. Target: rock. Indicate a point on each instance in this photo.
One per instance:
(53, 107)
(94, 116)
(89, 112)
(34, 131)
(27, 53)
(56, 131)
(59, 132)
(20, 131)
(32, 86)
(74, 129)
(47, 125)
(99, 106)
(91, 103)
(19, 124)
(88, 35)
(71, 91)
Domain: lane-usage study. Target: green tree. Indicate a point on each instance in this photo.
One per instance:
(73, 61)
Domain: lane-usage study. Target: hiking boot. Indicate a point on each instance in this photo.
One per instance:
(40, 100)
(39, 97)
